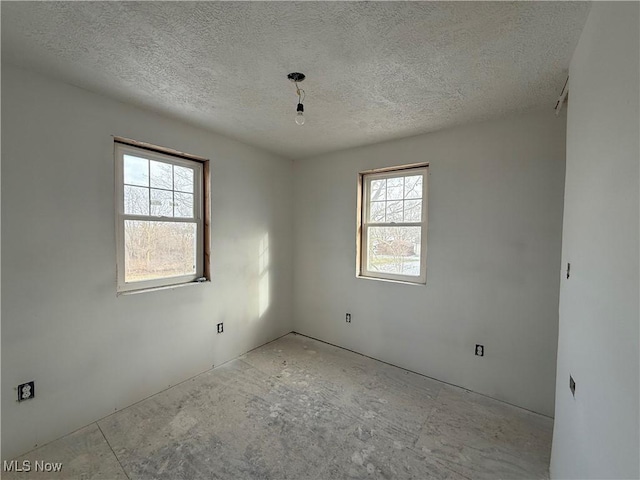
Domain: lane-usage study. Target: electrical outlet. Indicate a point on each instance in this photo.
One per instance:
(480, 350)
(26, 391)
(220, 327)
(572, 386)
(348, 318)
(568, 270)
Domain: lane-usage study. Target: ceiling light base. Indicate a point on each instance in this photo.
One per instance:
(296, 77)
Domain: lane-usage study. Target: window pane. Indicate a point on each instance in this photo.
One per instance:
(413, 210)
(161, 203)
(376, 211)
(136, 171)
(394, 211)
(395, 188)
(183, 179)
(183, 205)
(159, 249)
(136, 200)
(378, 190)
(413, 186)
(394, 250)
(161, 175)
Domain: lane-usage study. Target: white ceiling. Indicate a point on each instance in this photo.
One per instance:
(375, 71)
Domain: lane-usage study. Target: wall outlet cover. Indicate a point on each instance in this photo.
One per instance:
(220, 327)
(26, 391)
(479, 350)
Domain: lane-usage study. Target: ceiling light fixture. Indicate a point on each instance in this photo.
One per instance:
(297, 77)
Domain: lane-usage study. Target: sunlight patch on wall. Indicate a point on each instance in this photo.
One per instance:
(263, 272)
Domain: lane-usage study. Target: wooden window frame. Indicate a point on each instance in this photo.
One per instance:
(363, 225)
(202, 213)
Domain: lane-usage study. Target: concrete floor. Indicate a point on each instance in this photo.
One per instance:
(300, 409)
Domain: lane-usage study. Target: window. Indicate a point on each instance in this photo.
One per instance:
(161, 217)
(392, 233)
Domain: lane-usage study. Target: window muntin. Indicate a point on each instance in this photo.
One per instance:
(159, 219)
(392, 237)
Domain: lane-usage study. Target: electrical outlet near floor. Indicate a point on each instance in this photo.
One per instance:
(572, 386)
(220, 327)
(479, 350)
(348, 318)
(26, 391)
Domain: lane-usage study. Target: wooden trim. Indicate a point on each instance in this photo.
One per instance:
(395, 169)
(156, 289)
(359, 221)
(390, 278)
(206, 193)
(159, 149)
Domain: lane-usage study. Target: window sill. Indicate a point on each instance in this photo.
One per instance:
(402, 282)
(156, 289)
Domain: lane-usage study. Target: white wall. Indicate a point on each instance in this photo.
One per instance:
(494, 240)
(596, 433)
(0, 276)
(89, 351)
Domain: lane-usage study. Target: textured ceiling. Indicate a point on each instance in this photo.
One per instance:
(375, 71)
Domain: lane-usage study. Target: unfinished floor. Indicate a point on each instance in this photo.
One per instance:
(298, 408)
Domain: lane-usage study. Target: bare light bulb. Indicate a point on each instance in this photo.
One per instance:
(300, 114)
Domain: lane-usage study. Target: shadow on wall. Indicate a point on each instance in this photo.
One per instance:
(263, 274)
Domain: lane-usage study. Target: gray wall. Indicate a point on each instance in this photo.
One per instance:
(596, 433)
(89, 351)
(493, 257)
